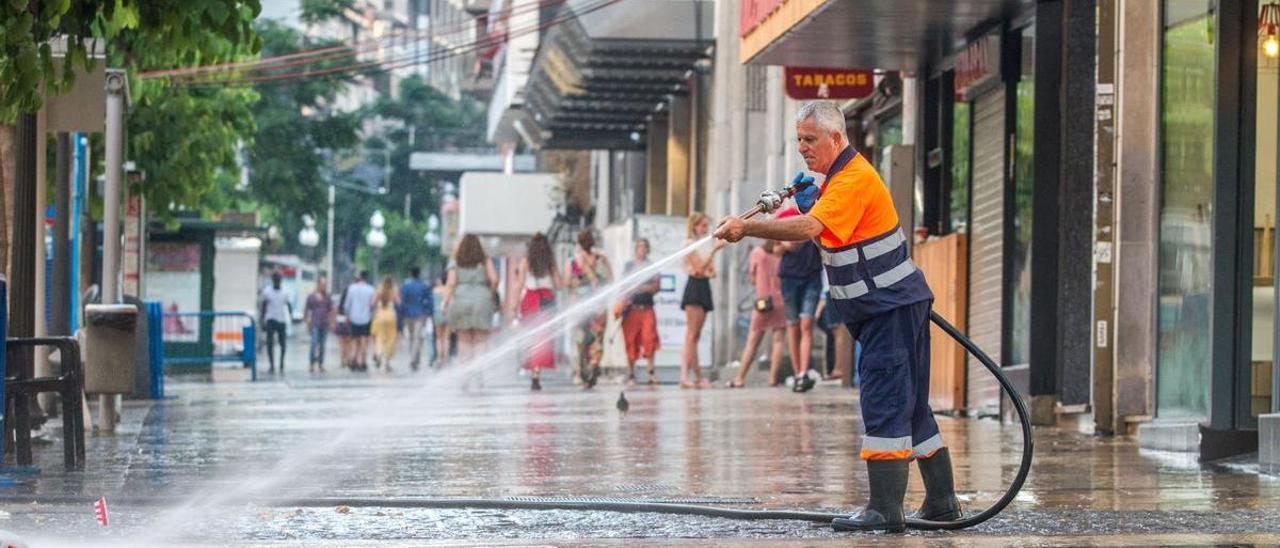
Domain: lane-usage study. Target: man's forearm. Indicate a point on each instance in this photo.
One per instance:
(791, 229)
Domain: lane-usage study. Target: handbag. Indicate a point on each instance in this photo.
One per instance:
(764, 304)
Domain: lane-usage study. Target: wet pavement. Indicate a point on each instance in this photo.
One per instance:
(234, 450)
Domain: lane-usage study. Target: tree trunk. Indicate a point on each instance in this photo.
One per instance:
(7, 176)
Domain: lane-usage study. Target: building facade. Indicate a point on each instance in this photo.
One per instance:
(1109, 170)
(1092, 183)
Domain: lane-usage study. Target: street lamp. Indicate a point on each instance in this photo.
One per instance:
(308, 236)
(432, 237)
(376, 238)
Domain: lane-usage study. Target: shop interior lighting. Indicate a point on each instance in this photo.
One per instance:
(1269, 29)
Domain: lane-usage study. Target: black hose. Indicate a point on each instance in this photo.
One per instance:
(1024, 417)
(617, 505)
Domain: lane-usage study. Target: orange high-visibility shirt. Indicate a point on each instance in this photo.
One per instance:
(855, 206)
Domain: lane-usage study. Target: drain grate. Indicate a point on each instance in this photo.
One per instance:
(647, 488)
(636, 500)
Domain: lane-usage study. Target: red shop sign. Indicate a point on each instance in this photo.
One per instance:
(828, 83)
(977, 64)
(755, 12)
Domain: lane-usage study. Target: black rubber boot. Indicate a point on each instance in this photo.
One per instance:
(940, 502)
(888, 479)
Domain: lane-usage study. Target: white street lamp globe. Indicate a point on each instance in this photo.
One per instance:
(377, 221)
(376, 238)
(309, 237)
(432, 238)
(433, 223)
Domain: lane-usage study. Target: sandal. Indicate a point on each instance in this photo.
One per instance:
(686, 384)
(735, 384)
(653, 380)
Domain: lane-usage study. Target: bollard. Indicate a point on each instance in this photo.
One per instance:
(249, 354)
(155, 347)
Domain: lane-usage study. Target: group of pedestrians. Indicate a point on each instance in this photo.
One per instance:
(460, 312)
(789, 288)
(361, 316)
(787, 277)
(540, 281)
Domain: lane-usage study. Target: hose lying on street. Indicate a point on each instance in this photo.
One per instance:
(606, 504)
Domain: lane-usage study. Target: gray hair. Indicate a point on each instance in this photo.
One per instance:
(825, 113)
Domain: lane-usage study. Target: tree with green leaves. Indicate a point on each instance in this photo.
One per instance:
(425, 120)
(144, 33)
(421, 119)
(294, 123)
(405, 247)
(184, 138)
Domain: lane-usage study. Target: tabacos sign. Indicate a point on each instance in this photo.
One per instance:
(976, 66)
(828, 83)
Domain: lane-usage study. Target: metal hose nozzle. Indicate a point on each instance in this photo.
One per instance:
(770, 201)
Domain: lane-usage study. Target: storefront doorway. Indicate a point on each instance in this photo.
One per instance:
(1186, 243)
(1216, 302)
(1262, 366)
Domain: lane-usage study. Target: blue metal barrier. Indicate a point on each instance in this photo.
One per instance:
(155, 347)
(230, 341)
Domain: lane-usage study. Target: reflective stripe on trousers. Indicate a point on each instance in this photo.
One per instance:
(928, 447)
(874, 448)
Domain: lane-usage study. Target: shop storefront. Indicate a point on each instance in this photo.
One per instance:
(1216, 286)
(1003, 164)
(979, 182)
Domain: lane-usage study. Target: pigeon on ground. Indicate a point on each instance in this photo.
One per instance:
(623, 404)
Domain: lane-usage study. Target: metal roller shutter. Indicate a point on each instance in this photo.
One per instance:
(986, 257)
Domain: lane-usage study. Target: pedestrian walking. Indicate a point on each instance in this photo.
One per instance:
(696, 303)
(440, 331)
(539, 280)
(416, 309)
(470, 297)
(275, 309)
(342, 330)
(801, 274)
(639, 322)
(318, 315)
(384, 327)
(357, 304)
(767, 318)
(588, 271)
(885, 303)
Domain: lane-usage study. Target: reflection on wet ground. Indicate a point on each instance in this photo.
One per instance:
(496, 439)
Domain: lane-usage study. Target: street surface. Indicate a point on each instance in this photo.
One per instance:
(753, 448)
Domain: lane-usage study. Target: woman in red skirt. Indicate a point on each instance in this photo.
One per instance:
(539, 280)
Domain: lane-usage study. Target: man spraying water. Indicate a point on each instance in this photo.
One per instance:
(880, 295)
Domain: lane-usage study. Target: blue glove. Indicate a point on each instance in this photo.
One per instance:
(806, 193)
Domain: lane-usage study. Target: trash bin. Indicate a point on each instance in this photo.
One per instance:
(110, 353)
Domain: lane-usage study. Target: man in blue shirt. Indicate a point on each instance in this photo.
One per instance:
(415, 310)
